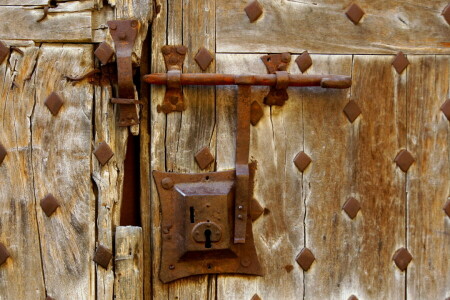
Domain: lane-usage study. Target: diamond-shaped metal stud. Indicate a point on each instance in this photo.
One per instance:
(402, 258)
(253, 10)
(103, 256)
(446, 109)
(203, 58)
(302, 161)
(104, 52)
(304, 61)
(3, 153)
(204, 158)
(49, 204)
(352, 111)
(354, 13)
(4, 51)
(352, 297)
(256, 113)
(446, 13)
(305, 259)
(256, 210)
(351, 207)
(404, 160)
(54, 103)
(256, 297)
(400, 62)
(103, 153)
(4, 254)
(447, 208)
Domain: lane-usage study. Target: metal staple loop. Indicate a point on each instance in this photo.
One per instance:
(174, 79)
(282, 80)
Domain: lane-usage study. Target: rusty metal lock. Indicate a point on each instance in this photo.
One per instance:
(207, 233)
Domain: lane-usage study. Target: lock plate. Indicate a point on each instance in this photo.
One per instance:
(198, 224)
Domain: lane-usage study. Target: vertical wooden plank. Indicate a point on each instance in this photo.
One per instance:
(428, 236)
(129, 263)
(19, 231)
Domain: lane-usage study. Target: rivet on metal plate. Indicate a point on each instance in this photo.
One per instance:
(302, 161)
(446, 13)
(445, 108)
(3, 153)
(305, 259)
(103, 153)
(256, 297)
(167, 183)
(400, 62)
(402, 258)
(54, 103)
(203, 58)
(447, 208)
(304, 61)
(104, 52)
(103, 256)
(404, 160)
(4, 51)
(4, 254)
(352, 207)
(204, 158)
(253, 10)
(49, 204)
(256, 113)
(352, 111)
(354, 13)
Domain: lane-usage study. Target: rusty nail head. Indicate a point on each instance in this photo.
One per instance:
(253, 10)
(104, 52)
(400, 62)
(3, 153)
(4, 254)
(103, 153)
(256, 113)
(305, 259)
(49, 204)
(447, 208)
(4, 51)
(302, 161)
(167, 183)
(204, 158)
(404, 160)
(113, 26)
(245, 261)
(352, 207)
(256, 297)
(445, 108)
(54, 103)
(402, 258)
(446, 13)
(352, 111)
(171, 267)
(354, 13)
(304, 61)
(203, 58)
(103, 256)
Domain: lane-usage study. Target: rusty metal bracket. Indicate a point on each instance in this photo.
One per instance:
(124, 34)
(173, 99)
(277, 64)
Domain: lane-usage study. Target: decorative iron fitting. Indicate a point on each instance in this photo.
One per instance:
(277, 64)
(124, 34)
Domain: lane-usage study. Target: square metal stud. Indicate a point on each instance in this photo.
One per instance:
(3, 153)
(352, 111)
(256, 112)
(204, 158)
(305, 259)
(354, 13)
(49, 204)
(404, 160)
(352, 207)
(402, 258)
(4, 254)
(104, 52)
(253, 10)
(446, 109)
(103, 153)
(103, 256)
(446, 14)
(54, 103)
(203, 58)
(447, 208)
(4, 51)
(302, 161)
(400, 62)
(304, 61)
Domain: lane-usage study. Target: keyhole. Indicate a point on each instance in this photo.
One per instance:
(192, 213)
(207, 238)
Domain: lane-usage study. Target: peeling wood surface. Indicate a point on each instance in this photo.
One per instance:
(322, 27)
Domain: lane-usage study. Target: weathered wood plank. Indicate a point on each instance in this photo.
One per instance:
(73, 26)
(428, 187)
(61, 166)
(322, 27)
(19, 230)
(129, 263)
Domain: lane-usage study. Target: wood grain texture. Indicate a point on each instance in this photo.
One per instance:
(129, 263)
(428, 186)
(322, 27)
